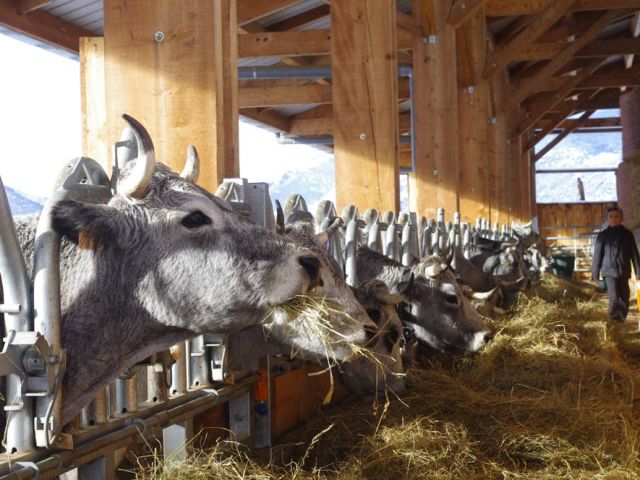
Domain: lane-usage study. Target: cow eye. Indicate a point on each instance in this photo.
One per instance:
(374, 314)
(196, 219)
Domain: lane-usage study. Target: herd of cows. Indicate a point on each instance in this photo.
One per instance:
(165, 260)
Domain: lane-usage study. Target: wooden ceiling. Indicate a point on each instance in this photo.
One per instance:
(563, 57)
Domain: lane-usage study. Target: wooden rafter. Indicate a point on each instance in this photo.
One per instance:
(504, 54)
(269, 118)
(463, 9)
(546, 72)
(592, 123)
(301, 20)
(294, 43)
(635, 32)
(609, 79)
(44, 27)
(585, 103)
(251, 10)
(426, 12)
(601, 48)
(27, 6)
(561, 136)
(567, 87)
(507, 8)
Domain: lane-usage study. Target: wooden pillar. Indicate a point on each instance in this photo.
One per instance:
(514, 159)
(473, 118)
(435, 183)
(365, 103)
(95, 143)
(171, 65)
(525, 185)
(497, 152)
(628, 173)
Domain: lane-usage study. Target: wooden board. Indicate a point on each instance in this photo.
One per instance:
(497, 152)
(211, 425)
(365, 113)
(473, 119)
(435, 183)
(173, 87)
(95, 143)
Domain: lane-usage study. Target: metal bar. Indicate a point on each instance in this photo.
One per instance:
(179, 370)
(16, 289)
(147, 427)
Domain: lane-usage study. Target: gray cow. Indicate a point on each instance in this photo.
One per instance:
(437, 309)
(162, 261)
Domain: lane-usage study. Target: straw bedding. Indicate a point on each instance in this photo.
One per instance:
(552, 396)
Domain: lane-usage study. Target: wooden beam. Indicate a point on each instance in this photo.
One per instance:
(549, 146)
(301, 20)
(227, 117)
(505, 54)
(497, 151)
(28, 6)
(267, 118)
(601, 48)
(251, 10)
(406, 23)
(289, 95)
(585, 103)
(546, 72)
(635, 32)
(461, 10)
(93, 104)
(284, 44)
(507, 8)
(295, 43)
(567, 87)
(610, 79)
(434, 184)
(425, 13)
(43, 27)
(363, 46)
(473, 120)
(154, 81)
(592, 123)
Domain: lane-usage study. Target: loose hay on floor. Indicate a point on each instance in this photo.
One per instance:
(552, 396)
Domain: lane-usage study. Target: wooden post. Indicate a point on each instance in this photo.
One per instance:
(435, 183)
(171, 65)
(514, 160)
(95, 143)
(497, 152)
(473, 118)
(365, 109)
(628, 173)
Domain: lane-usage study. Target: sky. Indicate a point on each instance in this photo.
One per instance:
(40, 124)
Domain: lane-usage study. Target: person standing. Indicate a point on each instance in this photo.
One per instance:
(613, 252)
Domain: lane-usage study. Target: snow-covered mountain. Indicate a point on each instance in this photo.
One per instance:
(23, 204)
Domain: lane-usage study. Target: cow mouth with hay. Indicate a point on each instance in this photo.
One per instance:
(162, 261)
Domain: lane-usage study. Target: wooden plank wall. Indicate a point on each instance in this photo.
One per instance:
(555, 219)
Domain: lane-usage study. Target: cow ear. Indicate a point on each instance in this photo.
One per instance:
(89, 225)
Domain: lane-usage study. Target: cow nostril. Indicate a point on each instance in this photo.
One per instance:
(311, 265)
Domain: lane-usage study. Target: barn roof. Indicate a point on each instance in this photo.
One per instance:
(562, 57)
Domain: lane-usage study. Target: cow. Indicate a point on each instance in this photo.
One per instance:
(163, 261)
(436, 308)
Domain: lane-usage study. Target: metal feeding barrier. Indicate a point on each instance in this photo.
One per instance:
(159, 397)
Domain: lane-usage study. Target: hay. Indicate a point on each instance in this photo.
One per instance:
(552, 396)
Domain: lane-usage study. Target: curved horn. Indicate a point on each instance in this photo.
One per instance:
(191, 170)
(279, 218)
(513, 283)
(449, 259)
(484, 295)
(136, 182)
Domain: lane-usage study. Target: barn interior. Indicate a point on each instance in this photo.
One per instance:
(459, 95)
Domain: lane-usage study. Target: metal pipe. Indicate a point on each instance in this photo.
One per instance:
(576, 170)
(350, 249)
(324, 71)
(16, 289)
(179, 370)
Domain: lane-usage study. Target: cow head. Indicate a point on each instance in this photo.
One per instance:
(385, 366)
(439, 312)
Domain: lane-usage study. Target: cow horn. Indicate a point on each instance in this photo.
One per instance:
(408, 286)
(512, 283)
(136, 182)
(499, 311)
(484, 295)
(191, 170)
(279, 218)
(449, 259)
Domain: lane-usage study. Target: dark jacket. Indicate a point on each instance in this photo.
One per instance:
(613, 252)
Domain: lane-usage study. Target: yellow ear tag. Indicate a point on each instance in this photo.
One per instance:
(86, 241)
